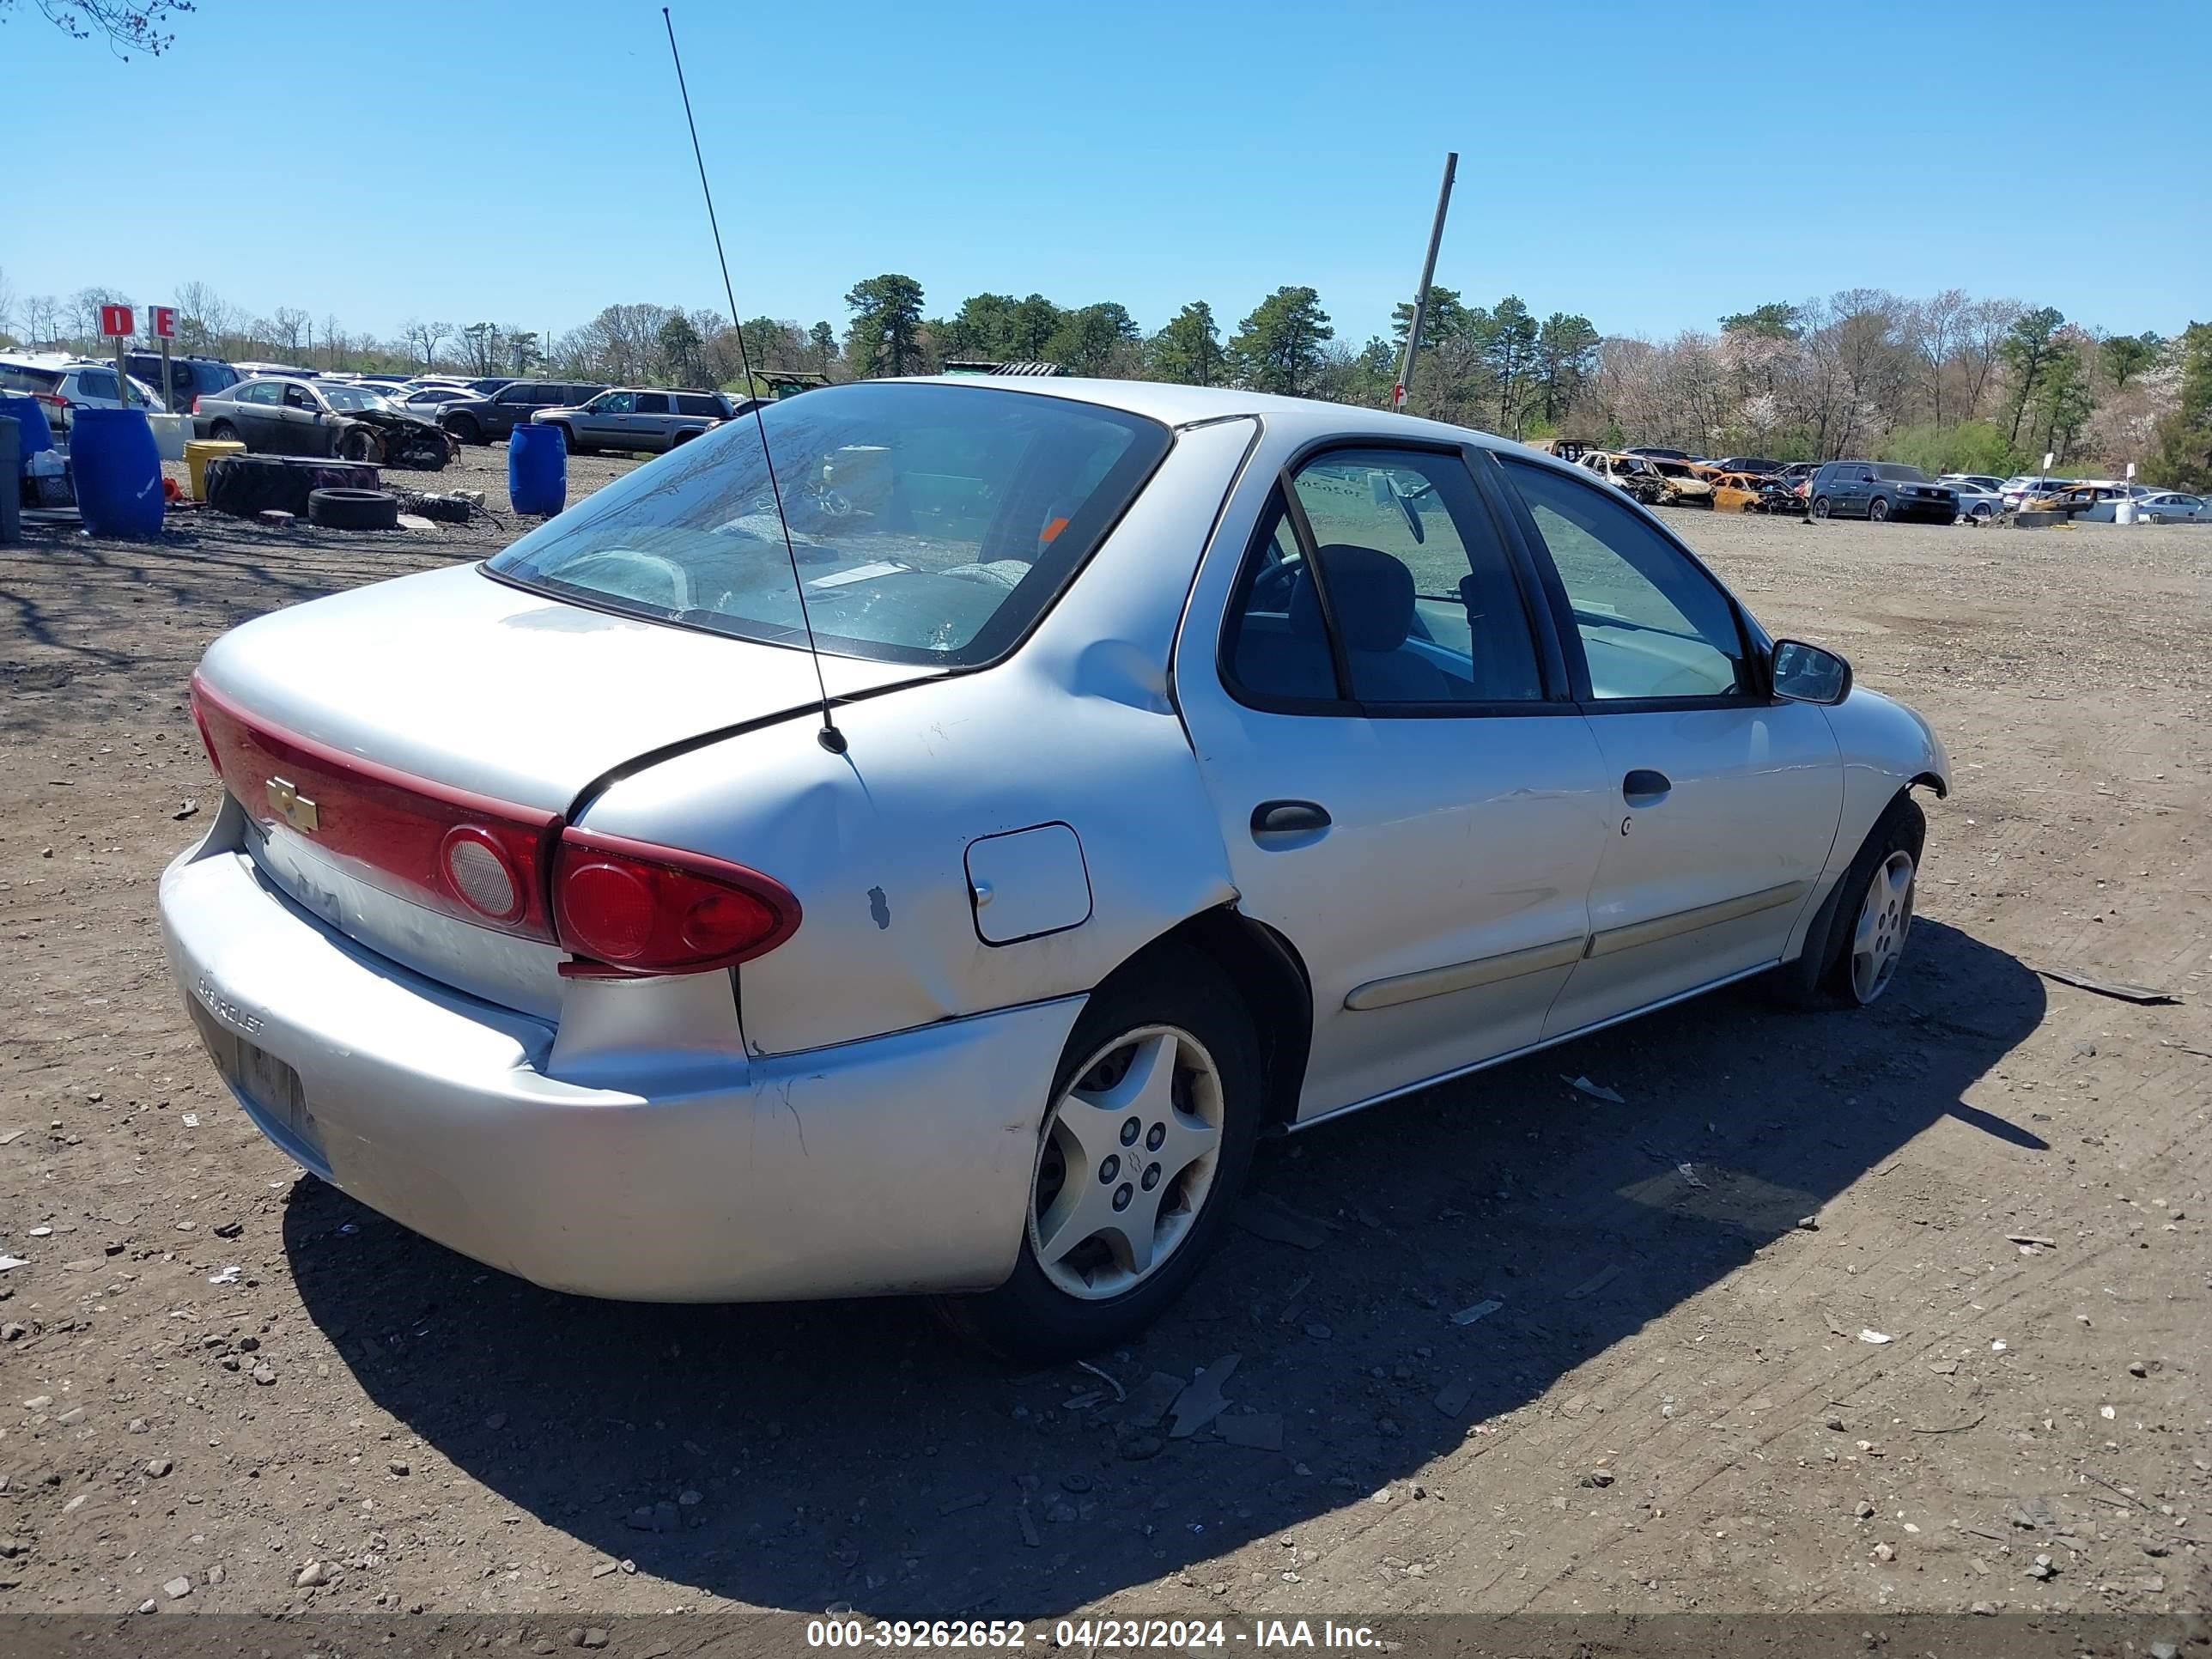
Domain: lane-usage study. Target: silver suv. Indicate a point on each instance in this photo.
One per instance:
(640, 417)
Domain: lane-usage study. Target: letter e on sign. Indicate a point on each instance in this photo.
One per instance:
(164, 320)
(116, 322)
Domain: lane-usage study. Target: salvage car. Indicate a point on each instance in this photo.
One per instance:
(285, 416)
(1654, 482)
(556, 909)
(1879, 491)
(638, 418)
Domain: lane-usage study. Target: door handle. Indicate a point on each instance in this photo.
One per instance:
(1645, 787)
(1289, 818)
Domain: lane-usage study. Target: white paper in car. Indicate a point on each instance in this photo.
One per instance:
(858, 572)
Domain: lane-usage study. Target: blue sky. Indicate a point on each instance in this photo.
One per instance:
(1650, 167)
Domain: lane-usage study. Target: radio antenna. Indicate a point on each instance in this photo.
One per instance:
(830, 737)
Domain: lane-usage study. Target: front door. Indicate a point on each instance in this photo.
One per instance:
(605, 419)
(1403, 794)
(301, 428)
(1723, 802)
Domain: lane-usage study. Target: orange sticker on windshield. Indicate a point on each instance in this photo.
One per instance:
(1052, 530)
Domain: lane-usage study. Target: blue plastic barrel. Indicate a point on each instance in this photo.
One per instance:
(30, 414)
(117, 471)
(537, 469)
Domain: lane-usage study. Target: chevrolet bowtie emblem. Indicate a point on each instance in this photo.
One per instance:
(294, 808)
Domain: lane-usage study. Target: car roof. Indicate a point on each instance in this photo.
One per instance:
(1178, 405)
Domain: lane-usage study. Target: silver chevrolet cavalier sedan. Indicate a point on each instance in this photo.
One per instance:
(1185, 765)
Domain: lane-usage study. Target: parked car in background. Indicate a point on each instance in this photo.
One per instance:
(192, 377)
(1658, 454)
(61, 384)
(289, 371)
(1879, 491)
(1981, 480)
(2174, 507)
(481, 420)
(430, 402)
(1977, 506)
(640, 417)
(1632, 475)
(2076, 498)
(273, 416)
(2018, 487)
(563, 942)
(1743, 463)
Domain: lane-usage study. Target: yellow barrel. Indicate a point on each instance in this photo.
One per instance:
(198, 451)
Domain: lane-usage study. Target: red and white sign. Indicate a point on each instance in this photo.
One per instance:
(115, 321)
(1398, 395)
(163, 321)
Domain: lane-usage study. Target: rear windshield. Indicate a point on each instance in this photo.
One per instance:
(932, 523)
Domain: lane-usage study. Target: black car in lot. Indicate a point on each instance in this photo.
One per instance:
(480, 420)
(1878, 490)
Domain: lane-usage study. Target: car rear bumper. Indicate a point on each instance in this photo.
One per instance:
(898, 1163)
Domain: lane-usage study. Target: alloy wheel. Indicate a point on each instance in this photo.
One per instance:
(1885, 919)
(1128, 1158)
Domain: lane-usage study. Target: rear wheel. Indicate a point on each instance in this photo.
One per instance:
(223, 432)
(1139, 1158)
(1878, 508)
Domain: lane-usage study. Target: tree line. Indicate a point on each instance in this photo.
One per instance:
(1952, 383)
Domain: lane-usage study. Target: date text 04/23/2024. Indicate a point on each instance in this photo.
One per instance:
(1092, 1634)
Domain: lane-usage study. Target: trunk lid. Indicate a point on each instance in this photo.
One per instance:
(374, 719)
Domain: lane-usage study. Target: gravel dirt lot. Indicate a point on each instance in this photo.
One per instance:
(216, 1369)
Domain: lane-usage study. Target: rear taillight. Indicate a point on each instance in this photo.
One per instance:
(621, 906)
(196, 405)
(628, 907)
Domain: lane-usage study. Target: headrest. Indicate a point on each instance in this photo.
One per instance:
(1372, 593)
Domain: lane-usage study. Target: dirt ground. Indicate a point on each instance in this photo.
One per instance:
(1903, 1309)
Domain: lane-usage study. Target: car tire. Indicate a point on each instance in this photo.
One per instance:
(465, 429)
(1836, 969)
(1069, 1296)
(223, 433)
(1878, 510)
(1981, 516)
(1821, 507)
(567, 436)
(357, 444)
(353, 510)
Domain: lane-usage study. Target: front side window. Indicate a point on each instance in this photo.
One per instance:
(613, 403)
(1652, 624)
(1405, 580)
(298, 398)
(933, 524)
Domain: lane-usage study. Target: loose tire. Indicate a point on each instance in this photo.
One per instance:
(353, 510)
(1821, 508)
(1877, 509)
(1856, 941)
(1141, 1154)
(223, 432)
(465, 429)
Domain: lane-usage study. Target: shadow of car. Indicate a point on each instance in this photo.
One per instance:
(842, 1453)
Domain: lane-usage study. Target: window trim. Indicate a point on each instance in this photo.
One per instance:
(1752, 639)
(1555, 699)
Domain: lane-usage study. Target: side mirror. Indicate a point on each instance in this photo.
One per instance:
(1805, 673)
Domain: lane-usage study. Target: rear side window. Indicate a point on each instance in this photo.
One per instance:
(96, 383)
(933, 523)
(1403, 595)
(26, 381)
(652, 403)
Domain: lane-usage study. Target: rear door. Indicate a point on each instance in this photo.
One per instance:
(1723, 803)
(254, 412)
(652, 426)
(1404, 791)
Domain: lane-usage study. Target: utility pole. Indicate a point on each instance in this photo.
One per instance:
(1404, 386)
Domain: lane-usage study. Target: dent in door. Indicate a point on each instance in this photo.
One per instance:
(1027, 883)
